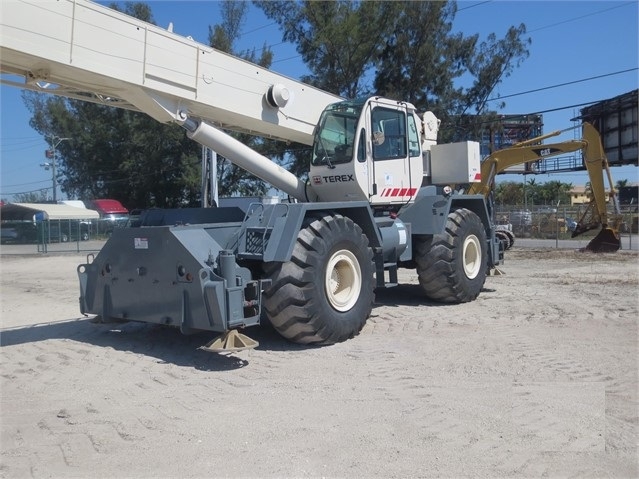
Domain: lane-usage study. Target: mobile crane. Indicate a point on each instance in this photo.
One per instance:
(378, 197)
(595, 216)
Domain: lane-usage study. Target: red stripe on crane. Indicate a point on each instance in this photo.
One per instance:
(395, 192)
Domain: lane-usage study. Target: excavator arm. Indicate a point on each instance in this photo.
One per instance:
(596, 214)
(607, 240)
(520, 153)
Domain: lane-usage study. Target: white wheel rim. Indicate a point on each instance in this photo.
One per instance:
(471, 256)
(343, 280)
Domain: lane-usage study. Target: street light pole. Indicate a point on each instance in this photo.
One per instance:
(55, 141)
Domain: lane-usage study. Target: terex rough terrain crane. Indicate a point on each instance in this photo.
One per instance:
(378, 196)
(596, 215)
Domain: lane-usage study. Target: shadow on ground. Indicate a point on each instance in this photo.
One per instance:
(164, 343)
(409, 295)
(169, 345)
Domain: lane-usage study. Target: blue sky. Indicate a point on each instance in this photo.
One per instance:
(571, 41)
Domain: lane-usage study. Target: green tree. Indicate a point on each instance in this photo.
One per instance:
(621, 184)
(404, 50)
(553, 192)
(427, 64)
(339, 41)
(117, 153)
(509, 193)
(531, 192)
(31, 197)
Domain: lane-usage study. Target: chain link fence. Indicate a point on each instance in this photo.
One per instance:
(541, 222)
(49, 236)
(548, 222)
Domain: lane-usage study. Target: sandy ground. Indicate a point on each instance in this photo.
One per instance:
(536, 378)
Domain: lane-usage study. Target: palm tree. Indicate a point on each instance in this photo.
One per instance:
(621, 184)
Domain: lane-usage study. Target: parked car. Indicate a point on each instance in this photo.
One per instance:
(571, 224)
(520, 218)
(112, 215)
(547, 210)
(134, 219)
(19, 232)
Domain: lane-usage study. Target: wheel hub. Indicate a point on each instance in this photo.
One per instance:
(343, 281)
(471, 256)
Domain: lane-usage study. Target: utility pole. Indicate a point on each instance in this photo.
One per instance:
(50, 154)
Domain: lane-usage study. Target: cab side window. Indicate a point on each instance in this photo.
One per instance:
(389, 134)
(413, 138)
(361, 148)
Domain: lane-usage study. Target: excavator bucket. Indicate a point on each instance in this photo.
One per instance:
(606, 241)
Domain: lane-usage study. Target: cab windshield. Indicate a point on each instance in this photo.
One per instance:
(335, 136)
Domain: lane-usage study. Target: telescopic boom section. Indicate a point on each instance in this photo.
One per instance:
(83, 50)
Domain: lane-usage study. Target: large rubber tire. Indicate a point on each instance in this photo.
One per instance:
(503, 238)
(452, 266)
(324, 294)
(511, 238)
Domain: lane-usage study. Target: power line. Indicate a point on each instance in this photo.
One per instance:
(44, 188)
(256, 29)
(564, 108)
(475, 5)
(21, 138)
(286, 59)
(24, 184)
(10, 145)
(564, 84)
(580, 17)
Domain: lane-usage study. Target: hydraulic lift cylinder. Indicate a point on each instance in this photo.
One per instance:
(244, 157)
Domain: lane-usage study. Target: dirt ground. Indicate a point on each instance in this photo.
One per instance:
(536, 378)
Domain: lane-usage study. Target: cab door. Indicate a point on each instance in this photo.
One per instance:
(391, 179)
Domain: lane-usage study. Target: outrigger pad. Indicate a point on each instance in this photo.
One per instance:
(495, 272)
(606, 241)
(230, 341)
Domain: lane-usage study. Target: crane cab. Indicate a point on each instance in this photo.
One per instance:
(368, 149)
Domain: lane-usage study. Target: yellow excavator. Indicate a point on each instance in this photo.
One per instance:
(596, 215)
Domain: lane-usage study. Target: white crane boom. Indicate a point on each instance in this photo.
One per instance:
(80, 49)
